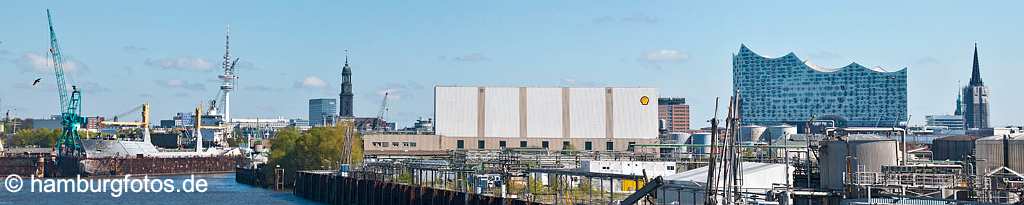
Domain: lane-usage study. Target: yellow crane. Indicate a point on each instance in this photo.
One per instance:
(198, 127)
(144, 124)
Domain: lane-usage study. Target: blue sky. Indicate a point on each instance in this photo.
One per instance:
(167, 53)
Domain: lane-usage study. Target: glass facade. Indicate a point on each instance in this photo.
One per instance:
(787, 90)
(322, 111)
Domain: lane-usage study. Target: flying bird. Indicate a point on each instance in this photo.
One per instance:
(36, 81)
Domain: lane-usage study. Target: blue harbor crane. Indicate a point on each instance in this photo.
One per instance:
(69, 144)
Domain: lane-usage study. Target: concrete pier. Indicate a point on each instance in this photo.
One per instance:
(328, 188)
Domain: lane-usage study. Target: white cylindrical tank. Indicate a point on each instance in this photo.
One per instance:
(702, 138)
(751, 133)
(866, 154)
(989, 153)
(780, 131)
(679, 138)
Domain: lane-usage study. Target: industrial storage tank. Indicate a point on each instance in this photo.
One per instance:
(953, 148)
(678, 138)
(751, 133)
(701, 138)
(868, 153)
(780, 131)
(989, 153)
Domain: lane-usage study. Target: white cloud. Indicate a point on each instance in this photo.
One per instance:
(39, 63)
(664, 55)
(181, 63)
(311, 82)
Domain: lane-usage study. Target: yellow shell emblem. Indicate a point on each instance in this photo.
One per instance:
(644, 100)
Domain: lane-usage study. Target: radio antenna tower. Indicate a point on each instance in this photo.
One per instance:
(228, 77)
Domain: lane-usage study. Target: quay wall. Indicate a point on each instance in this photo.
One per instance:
(251, 177)
(329, 188)
(115, 166)
(22, 165)
(159, 166)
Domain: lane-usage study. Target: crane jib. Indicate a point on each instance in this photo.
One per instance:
(69, 145)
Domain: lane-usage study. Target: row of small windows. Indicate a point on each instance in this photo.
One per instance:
(393, 144)
(566, 145)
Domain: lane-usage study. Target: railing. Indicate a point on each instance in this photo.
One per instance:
(907, 179)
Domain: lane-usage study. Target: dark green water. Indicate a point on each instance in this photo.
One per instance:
(222, 189)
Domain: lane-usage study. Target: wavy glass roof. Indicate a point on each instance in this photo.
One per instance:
(793, 57)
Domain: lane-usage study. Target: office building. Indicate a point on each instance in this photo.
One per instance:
(975, 102)
(94, 123)
(788, 90)
(167, 124)
(322, 111)
(949, 122)
(674, 113)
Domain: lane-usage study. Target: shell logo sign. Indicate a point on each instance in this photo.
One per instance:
(645, 100)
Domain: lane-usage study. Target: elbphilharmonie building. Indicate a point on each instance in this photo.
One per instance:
(788, 90)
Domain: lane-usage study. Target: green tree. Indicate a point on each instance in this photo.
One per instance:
(38, 137)
(316, 149)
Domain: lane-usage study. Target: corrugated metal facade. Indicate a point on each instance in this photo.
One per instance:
(631, 117)
(953, 148)
(587, 113)
(501, 112)
(457, 107)
(867, 156)
(545, 112)
(989, 152)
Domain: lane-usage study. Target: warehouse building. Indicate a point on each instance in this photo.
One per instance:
(557, 118)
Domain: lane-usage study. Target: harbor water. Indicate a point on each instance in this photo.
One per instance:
(221, 189)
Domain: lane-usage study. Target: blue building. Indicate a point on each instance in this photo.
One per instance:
(322, 111)
(788, 90)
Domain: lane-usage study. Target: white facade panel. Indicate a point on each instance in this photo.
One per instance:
(587, 113)
(456, 111)
(630, 117)
(501, 112)
(544, 112)
(652, 169)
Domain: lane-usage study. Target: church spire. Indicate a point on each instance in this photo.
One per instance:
(959, 105)
(976, 70)
(345, 97)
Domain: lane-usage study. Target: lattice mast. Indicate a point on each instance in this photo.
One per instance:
(69, 143)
